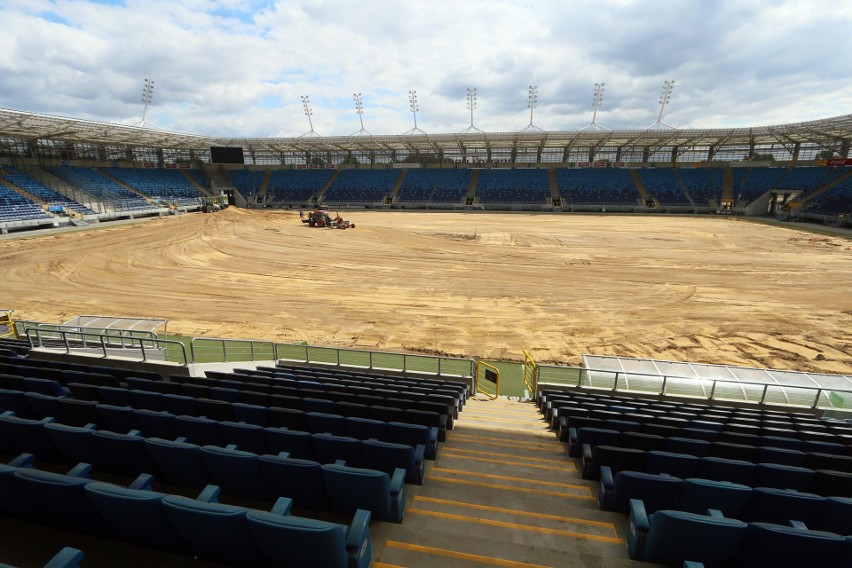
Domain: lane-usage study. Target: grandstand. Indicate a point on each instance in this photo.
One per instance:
(134, 451)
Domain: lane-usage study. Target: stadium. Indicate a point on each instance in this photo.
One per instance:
(537, 348)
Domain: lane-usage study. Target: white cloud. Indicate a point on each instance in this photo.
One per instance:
(235, 68)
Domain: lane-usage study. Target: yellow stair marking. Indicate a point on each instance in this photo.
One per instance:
(479, 440)
(508, 487)
(461, 555)
(510, 478)
(516, 526)
(518, 512)
(568, 466)
(517, 459)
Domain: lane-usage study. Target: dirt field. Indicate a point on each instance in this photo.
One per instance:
(704, 289)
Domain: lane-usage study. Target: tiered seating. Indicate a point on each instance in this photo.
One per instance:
(837, 200)
(296, 185)
(197, 175)
(703, 184)
(166, 185)
(807, 179)
(50, 197)
(604, 186)
(513, 186)
(751, 183)
(202, 527)
(16, 207)
(664, 186)
(101, 187)
(419, 185)
(246, 181)
(362, 186)
(451, 186)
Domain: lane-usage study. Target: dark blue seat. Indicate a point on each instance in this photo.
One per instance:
(414, 434)
(830, 483)
(179, 404)
(117, 418)
(657, 491)
(76, 443)
(24, 435)
(250, 413)
(365, 428)
(13, 501)
(705, 434)
(200, 430)
(733, 451)
(235, 471)
(615, 457)
(214, 409)
(770, 505)
(213, 531)
(179, 462)
(642, 441)
(309, 542)
(136, 515)
(779, 546)
(672, 537)
(781, 476)
(699, 495)
(247, 437)
(14, 401)
(691, 446)
(311, 404)
(785, 442)
(123, 453)
(350, 489)
(157, 424)
(296, 443)
(116, 396)
(61, 500)
(678, 465)
(79, 412)
(291, 418)
(723, 469)
(783, 456)
(591, 436)
(44, 405)
(321, 422)
(329, 449)
(388, 457)
(835, 516)
(44, 386)
(149, 400)
(301, 480)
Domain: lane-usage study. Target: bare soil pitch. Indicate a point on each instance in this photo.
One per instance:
(707, 289)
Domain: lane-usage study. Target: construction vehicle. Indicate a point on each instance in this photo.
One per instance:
(320, 217)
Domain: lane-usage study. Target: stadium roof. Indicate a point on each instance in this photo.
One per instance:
(829, 132)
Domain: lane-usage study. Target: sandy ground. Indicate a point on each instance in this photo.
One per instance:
(714, 290)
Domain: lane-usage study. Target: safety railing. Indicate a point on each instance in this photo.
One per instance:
(142, 349)
(529, 373)
(115, 333)
(226, 350)
(430, 365)
(708, 389)
(7, 326)
(487, 380)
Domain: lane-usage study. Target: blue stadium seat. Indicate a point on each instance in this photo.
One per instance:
(766, 544)
(388, 457)
(350, 489)
(296, 443)
(235, 471)
(179, 462)
(656, 491)
(699, 495)
(301, 480)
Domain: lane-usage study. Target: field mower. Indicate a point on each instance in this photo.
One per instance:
(320, 217)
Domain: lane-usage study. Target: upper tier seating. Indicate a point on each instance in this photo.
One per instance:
(513, 186)
(362, 186)
(703, 184)
(50, 197)
(296, 185)
(663, 185)
(602, 186)
(167, 185)
(16, 207)
(98, 185)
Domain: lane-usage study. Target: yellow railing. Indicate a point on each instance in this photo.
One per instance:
(488, 382)
(529, 374)
(7, 326)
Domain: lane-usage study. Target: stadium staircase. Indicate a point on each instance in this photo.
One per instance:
(553, 183)
(728, 186)
(195, 184)
(327, 186)
(394, 192)
(640, 185)
(264, 185)
(798, 204)
(471, 189)
(503, 493)
(62, 187)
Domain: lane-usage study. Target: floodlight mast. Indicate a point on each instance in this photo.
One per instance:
(306, 104)
(412, 105)
(471, 105)
(597, 100)
(665, 98)
(147, 97)
(359, 109)
(532, 102)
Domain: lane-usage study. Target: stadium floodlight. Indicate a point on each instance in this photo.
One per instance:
(413, 106)
(532, 102)
(306, 104)
(147, 98)
(359, 109)
(597, 100)
(665, 98)
(471, 106)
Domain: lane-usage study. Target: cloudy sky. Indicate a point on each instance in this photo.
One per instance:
(239, 67)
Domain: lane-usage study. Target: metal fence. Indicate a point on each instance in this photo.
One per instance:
(109, 345)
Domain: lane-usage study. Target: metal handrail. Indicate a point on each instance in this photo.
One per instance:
(225, 341)
(37, 337)
(665, 381)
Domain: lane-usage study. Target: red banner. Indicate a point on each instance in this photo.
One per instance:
(329, 166)
(618, 164)
(301, 167)
(149, 165)
(184, 166)
(584, 165)
(314, 166)
(171, 166)
(600, 164)
(839, 162)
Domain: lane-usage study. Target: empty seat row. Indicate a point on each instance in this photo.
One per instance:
(240, 473)
(696, 495)
(711, 540)
(630, 447)
(821, 481)
(202, 527)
